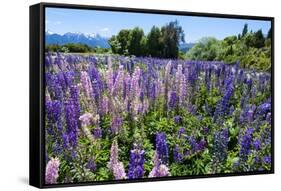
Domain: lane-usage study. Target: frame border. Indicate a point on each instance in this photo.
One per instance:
(37, 169)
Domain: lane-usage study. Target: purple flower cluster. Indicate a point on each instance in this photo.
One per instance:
(178, 156)
(114, 164)
(245, 143)
(116, 125)
(91, 165)
(173, 100)
(52, 171)
(71, 123)
(159, 170)
(136, 164)
(223, 106)
(162, 147)
(196, 146)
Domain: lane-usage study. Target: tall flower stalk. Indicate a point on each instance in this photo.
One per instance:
(52, 171)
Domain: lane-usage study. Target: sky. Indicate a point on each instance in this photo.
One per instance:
(108, 23)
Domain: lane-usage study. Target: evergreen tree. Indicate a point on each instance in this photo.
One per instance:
(135, 41)
(258, 39)
(245, 30)
(154, 45)
(172, 34)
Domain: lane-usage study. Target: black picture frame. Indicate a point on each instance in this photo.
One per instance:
(37, 91)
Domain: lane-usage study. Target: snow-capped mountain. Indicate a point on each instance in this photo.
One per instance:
(92, 40)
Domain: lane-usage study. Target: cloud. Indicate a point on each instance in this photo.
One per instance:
(104, 29)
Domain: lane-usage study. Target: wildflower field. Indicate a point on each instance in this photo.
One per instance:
(116, 117)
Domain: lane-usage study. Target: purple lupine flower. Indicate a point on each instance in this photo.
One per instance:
(181, 131)
(116, 124)
(222, 107)
(62, 81)
(263, 109)
(86, 119)
(257, 144)
(69, 78)
(162, 147)
(180, 84)
(71, 123)
(245, 143)
(48, 60)
(118, 82)
(109, 80)
(104, 107)
(65, 140)
(74, 98)
(136, 164)
(173, 100)
(177, 119)
(159, 170)
(201, 145)
(135, 91)
(178, 156)
(192, 142)
(113, 154)
(152, 92)
(96, 81)
(53, 86)
(250, 115)
(54, 128)
(91, 165)
(119, 171)
(52, 171)
(220, 145)
(86, 84)
(267, 159)
(114, 165)
(126, 86)
(97, 132)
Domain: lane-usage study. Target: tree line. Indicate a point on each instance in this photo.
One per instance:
(75, 48)
(159, 42)
(251, 48)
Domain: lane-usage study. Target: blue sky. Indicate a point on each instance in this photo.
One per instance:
(108, 23)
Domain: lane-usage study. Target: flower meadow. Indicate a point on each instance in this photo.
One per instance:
(113, 117)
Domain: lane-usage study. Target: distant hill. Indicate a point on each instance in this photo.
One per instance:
(184, 47)
(92, 40)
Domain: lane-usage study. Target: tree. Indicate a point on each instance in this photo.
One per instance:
(171, 35)
(123, 39)
(245, 30)
(258, 39)
(154, 45)
(207, 48)
(135, 41)
(115, 45)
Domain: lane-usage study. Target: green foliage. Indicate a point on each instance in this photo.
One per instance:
(252, 49)
(136, 40)
(74, 48)
(245, 30)
(206, 49)
(172, 35)
(154, 44)
(161, 43)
